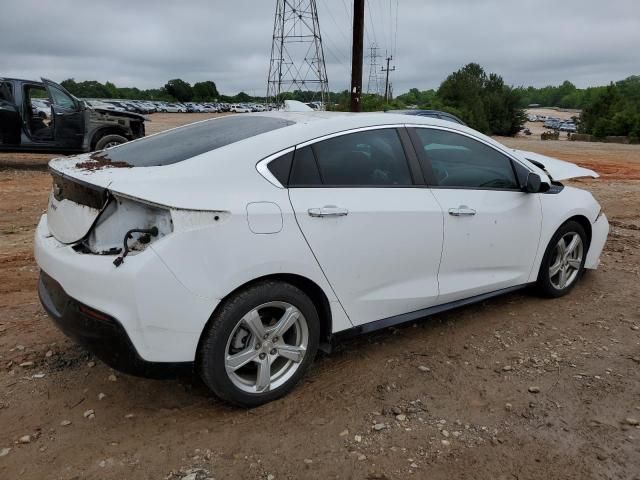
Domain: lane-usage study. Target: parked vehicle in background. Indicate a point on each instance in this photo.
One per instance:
(41, 107)
(171, 108)
(238, 108)
(73, 127)
(552, 123)
(99, 104)
(432, 114)
(122, 105)
(245, 243)
(567, 127)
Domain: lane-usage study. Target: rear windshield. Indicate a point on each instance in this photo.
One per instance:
(186, 142)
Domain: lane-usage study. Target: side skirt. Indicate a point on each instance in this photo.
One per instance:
(418, 314)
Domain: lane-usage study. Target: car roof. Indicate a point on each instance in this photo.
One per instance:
(224, 165)
(312, 125)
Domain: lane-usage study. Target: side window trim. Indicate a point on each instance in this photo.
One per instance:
(347, 132)
(425, 162)
(315, 159)
(263, 167)
(411, 156)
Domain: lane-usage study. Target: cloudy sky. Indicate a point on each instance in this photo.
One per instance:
(146, 42)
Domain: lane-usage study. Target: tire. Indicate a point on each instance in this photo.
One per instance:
(560, 269)
(110, 141)
(231, 357)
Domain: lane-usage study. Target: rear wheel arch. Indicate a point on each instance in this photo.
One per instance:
(309, 287)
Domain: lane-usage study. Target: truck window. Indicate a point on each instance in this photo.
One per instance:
(6, 92)
(61, 99)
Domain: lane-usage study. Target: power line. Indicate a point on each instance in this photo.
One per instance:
(328, 10)
(373, 29)
(395, 41)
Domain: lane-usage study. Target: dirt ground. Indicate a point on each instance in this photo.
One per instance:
(514, 388)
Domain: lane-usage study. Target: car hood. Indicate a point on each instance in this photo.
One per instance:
(118, 113)
(557, 169)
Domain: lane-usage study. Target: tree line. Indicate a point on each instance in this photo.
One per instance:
(176, 90)
(481, 99)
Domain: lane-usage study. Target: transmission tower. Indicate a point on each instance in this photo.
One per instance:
(373, 85)
(297, 58)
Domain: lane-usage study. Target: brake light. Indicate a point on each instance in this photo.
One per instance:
(127, 226)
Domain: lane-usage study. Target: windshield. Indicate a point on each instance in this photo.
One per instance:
(182, 143)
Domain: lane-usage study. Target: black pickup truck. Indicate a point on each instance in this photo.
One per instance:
(71, 126)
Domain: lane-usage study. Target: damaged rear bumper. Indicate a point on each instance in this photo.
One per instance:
(151, 313)
(99, 333)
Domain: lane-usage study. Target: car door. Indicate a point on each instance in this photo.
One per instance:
(376, 234)
(9, 116)
(68, 117)
(491, 226)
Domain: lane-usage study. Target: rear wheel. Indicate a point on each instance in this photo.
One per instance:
(109, 141)
(563, 261)
(259, 343)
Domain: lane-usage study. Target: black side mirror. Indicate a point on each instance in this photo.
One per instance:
(535, 184)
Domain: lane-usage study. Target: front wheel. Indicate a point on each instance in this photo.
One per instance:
(563, 261)
(259, 343)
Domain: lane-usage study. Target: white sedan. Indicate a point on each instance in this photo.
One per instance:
(171, 108)
(239, 109)
(241, 245)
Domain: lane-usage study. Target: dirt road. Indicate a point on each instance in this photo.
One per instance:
(514, 388)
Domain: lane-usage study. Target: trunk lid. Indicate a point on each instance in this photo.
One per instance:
(557, 169)
(78, 196)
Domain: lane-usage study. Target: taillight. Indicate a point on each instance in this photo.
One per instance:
(127, 225)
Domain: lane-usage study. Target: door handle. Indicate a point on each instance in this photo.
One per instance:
(462, 211)
(328, 211)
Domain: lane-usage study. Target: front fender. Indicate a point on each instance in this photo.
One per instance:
(557, 209)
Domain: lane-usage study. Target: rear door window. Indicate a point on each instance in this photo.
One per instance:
(373, 158)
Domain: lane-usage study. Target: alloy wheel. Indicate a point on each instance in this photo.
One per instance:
(266, 347)
(567, 261)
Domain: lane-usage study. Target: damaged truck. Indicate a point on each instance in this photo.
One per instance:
(72, 126)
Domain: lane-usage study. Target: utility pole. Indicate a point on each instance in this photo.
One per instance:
(386, 85)
(357, 55)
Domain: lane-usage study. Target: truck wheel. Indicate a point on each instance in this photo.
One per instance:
(109, 141)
